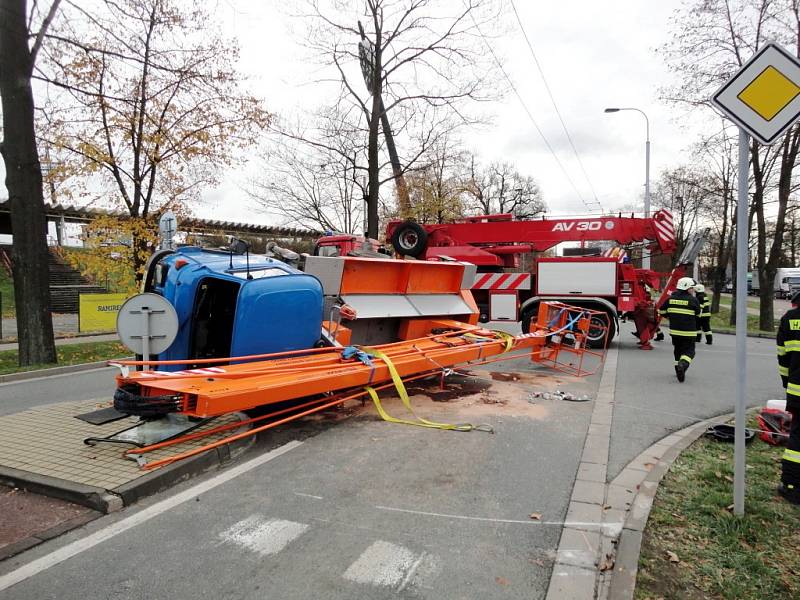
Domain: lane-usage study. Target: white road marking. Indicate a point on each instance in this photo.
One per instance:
(451, 516)
(576, 524)
(72, 549)
(411, 572)
(384, 564)
(308, 495)
(266, 537)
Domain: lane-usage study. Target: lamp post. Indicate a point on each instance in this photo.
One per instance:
(645, 258)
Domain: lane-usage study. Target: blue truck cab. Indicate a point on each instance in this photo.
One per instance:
(232, 305)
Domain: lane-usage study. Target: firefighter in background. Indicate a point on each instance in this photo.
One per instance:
(683, 312)
(705, 313)
(788, 340)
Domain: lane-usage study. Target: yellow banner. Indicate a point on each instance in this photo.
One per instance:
(98, 312)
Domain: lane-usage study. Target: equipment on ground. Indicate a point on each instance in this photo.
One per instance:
(725, 433)
(262, 334)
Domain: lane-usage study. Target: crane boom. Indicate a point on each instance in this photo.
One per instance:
(502, 235)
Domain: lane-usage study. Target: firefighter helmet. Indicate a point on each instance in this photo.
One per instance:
(699, 287)
(685, 283)
(795, 297)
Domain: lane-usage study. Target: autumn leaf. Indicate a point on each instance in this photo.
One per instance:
(536, 516)
(673, 558)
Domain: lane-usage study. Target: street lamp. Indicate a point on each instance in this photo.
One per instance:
(645, 259)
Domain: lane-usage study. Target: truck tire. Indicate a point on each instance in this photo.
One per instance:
(410, 239)
(595, 342)
(483, 313)
(598, 341)
(527, 316)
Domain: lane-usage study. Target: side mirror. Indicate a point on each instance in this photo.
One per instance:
(238, 246)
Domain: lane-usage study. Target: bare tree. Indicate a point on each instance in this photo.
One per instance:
(712, 39)
(717, 155)
(437, 189)
(313, 175)
(501, 188)
(423, 62)
(24, 179)
(150, 105)
(684, 191)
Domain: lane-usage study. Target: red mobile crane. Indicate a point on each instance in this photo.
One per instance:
(495, 242)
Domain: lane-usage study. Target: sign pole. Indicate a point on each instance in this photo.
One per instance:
(763, 99)
(742, 234)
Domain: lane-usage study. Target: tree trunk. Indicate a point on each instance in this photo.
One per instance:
(24, 184)
(718, 273)
(789, 152)
(373, 169)
(732, 319)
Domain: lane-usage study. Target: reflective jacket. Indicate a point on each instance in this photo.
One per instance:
(705, 304)
(683, 312)
(788, 340)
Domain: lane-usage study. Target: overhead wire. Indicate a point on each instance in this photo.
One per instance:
(527, 111)
(555, 105)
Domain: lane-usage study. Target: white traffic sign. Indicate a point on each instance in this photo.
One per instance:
(763, 97)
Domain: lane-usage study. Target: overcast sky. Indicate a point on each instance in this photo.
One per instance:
(593, 54)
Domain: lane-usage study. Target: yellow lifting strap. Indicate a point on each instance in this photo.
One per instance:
(403, 393)
(509, 339)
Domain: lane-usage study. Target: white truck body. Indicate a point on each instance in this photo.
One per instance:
(579, 278)
(785, 280)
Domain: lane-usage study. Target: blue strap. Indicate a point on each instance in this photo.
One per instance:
(352, 352)
(556, 318)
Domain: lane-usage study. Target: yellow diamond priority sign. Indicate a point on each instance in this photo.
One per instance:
(763, 97)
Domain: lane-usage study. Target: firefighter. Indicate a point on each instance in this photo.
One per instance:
(705, 313)
(683, 312)
(788, 340)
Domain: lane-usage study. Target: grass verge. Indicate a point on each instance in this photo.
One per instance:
(7, 293)
(721, 322)
(694, 547)
(727, 299)
(69, 354)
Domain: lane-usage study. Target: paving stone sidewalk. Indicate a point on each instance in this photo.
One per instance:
(45, 445)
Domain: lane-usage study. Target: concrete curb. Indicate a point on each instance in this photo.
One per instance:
(766, 336)
(96, 498)
(65, 370)
(641, 477)
(581, 547)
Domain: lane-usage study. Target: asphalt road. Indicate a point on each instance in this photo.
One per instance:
(21, 395)
(365, 509)
(362, 509)
(650, 403)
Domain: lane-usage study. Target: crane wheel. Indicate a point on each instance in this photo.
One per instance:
(595, 339)
(410, 239)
